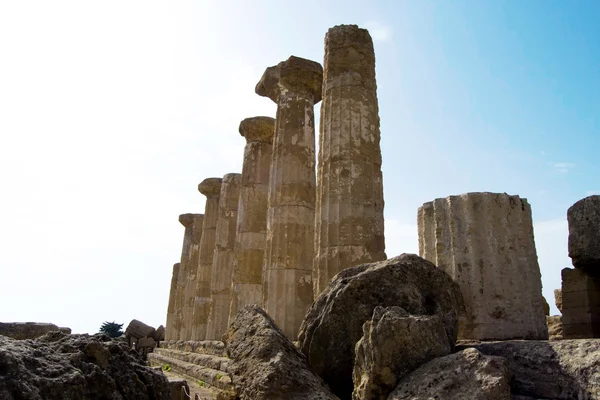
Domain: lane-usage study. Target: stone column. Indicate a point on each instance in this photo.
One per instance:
(349, 212)
(222, 268)
(295, 85)
(485, 242)
(169, 332)
(184, 304)
(581, 286)
(252, 214)
(211, 188)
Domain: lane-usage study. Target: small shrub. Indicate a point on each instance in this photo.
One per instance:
(201, 383)
(166, 367)
(219, 376)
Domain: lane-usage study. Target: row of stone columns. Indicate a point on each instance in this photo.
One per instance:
(272, 236)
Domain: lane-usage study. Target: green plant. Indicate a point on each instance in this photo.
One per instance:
(112, 329)
(219, 376)
(166, 367)
(201, 383)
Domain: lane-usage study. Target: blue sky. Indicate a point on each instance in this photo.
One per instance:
(112, 113)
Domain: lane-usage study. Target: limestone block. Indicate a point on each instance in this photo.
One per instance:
(184, 303)
(252, 213)
(485, 242)
(584, 233)
(555, 330)
(222, 268)
(170, 334)
(580, 304)
(349, 210)
(295, 85)
(211, 188)
(558, 299)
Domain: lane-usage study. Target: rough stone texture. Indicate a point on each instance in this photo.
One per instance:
(295, 85)
(252, 213)
(584, 233)
(76, 367)
(222, 269)
(171, 307)
(137, 330)
(28, 330)
(558, 299)
(466, 375)
(546, 306)
(211, 188)
(159, 334)
(349, 210)
(184, 300)
(485, 242)
(580, 304)
(333, 324)
(265, 364)
(563, 369)
(394, 344)
(555, 329)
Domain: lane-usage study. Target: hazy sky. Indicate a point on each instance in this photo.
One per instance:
(112, 112)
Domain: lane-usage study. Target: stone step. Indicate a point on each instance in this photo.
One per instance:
(197, 374)
(212, 347)
(205, 360)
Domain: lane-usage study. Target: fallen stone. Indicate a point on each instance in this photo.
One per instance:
(137, 329)
(58, 366)
(466, 375)
(564, 369)
(28, 330)
(333, 324)
(558, 299)
(394, 344)
(555, 329)
(159, 334)
(265, 364)
(584, 233)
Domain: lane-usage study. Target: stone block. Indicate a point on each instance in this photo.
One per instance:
(584, 233)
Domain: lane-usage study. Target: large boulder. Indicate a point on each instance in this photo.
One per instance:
(28, 330)
(265, 364)
(137, 330)
(333, 324)
(466, 375)
(584, 233)
(58, 366)
(394, 344)
(564, 369)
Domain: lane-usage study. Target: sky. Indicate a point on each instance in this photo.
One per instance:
(112, 112)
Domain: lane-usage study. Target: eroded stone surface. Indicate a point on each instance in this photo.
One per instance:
(265, 364)
(580, 304)
(28, 330)
(485, 242)
(349, 210)
(558, 299)
(295, 85)
(584, 233)
(171, 307)
(555, 330)
(222, 269)
(333, 324)
(395, 343)
(466, 375)
(211, 188)
(252, 213)
(184, 301)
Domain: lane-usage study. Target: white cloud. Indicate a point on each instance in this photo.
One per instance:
(379, 32)
(564, 166)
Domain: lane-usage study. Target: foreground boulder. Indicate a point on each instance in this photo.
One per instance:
(265, 364)
(28, 330)
(466, 375)
(393, 345)
(564, 369)
(333, 324)
(58, 366)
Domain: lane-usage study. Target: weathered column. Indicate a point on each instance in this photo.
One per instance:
(581, 286)
(485, 242)
(169, 329)
(222, 268)
(184, 301)
(349, 211)
(295, 85)
(211, 188)
(252, 213)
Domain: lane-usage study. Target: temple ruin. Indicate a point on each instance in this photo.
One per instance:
(484, 241)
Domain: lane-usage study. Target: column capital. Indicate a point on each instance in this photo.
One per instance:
(188, 219)
(258, 129)
(296, 75)
(210, 186)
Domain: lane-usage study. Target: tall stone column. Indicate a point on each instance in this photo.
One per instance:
(211, 188)
(349, 213)
(222, 268)
(295, 85)
(252, 213)
(184, 302)
(485, 242)
(169, 330)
